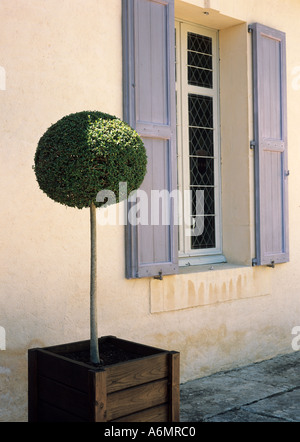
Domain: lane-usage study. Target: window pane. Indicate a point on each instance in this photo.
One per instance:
(201, 171)
(199, 43)
(200, 68)
(199, 60)
(200, 77)
(203, 232)
(201, 140)
(203, 201)
(200, 111)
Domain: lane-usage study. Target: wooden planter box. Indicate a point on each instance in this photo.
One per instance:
(145, 389)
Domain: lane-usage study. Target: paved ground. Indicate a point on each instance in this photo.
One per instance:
(267, 391)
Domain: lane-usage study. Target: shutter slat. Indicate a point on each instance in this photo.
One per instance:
(149, 106)
(270, 132)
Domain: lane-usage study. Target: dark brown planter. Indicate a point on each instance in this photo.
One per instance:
(144, 389)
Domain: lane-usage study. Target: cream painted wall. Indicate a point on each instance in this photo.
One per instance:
(59, 57)
(62, 62)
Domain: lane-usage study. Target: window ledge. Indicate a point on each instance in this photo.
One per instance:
(212, 267)
(199, 286)
(200, 261)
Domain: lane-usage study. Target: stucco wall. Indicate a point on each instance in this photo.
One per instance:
(66, 57)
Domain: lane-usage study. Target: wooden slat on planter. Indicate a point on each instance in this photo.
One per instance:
(72, 373)
(136, 372)
(134, 399)
(174, 389)
(74, 401)
(48, 413)
(98, 396)
(154, 414)
(137, 390)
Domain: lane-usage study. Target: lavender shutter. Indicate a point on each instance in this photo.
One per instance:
(149, 107)
(270, 144)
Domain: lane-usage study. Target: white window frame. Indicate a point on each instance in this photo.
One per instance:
(188, 256)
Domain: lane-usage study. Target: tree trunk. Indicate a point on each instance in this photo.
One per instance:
(94, 350)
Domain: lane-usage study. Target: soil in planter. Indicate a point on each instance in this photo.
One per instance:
(108, 352)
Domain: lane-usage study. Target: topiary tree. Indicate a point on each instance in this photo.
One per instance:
(80, 155)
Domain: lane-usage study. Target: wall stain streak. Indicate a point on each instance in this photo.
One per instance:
(179, 292)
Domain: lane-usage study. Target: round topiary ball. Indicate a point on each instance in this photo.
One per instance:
(86, 152)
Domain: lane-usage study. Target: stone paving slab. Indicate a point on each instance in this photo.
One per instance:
(267, 391)
(281, 371)
(243, 416)
(283, 406)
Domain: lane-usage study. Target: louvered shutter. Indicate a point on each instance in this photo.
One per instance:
(270, 144)
(149, 107)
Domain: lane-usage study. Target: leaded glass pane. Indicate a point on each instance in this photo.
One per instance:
(203, 232)
(203, 201)
(201, 111)
(200, 77)
(201, 140)
(199, 60)
(202, 171)
(199, 43)
(200, 67)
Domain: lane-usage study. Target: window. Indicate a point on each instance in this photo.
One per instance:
(198, 144)
(149, 87)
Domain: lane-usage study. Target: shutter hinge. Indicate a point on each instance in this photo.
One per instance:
(250, 28)
(159, 276)
(252, 144)
(254, 262)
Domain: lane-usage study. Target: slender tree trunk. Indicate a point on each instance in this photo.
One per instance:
(94, 351)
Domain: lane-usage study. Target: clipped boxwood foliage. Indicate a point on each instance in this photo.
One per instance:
(86, 152)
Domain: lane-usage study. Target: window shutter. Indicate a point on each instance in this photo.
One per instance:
(270, 144)
(149, 107)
